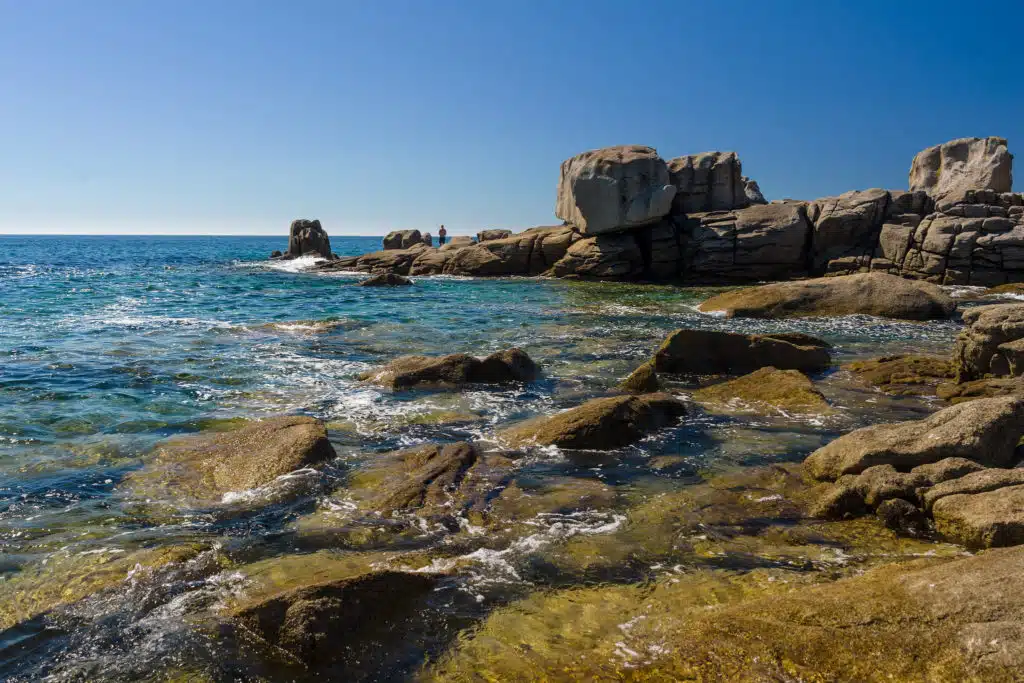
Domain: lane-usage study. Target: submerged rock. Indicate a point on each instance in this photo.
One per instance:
(766, 391)
(432, 474)
(986, 431)
(905, 375)
(877, 294)
(643, 380)
(386, 280)
(601, 423)
(709, 352)
(980, 388)
(204, 467)
(986, 344)
(455, 370)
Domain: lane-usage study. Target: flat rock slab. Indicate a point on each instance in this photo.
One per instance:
(982, 520)
(878, 294)
(907, 375)
(767, 391)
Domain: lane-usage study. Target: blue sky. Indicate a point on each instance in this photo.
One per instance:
(235, 116)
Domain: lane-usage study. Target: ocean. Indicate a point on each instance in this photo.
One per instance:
(110, 345)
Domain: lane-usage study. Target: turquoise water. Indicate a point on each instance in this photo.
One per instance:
(110, 344)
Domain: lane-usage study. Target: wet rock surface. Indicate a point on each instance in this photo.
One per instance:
(908, 375)
(709, 352)
(767, 390)
(307, 237)
(455, 370)
(386, 280)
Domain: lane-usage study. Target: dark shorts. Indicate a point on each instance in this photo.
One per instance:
(440, 240)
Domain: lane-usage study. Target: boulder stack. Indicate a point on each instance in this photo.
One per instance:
(307, 237)
(948, 171)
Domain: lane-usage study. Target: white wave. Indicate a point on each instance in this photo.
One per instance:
(295, 265)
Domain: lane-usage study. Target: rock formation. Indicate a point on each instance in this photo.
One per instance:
(704, 352)
(991, 342)
(307, 237)
(485, 235)
(454, 370)
(712, 181)
(403, 239)
(386, 280)
(947, 171)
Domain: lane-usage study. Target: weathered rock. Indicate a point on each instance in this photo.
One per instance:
(386, 280)
(979, 347)
(978, 481)
(847, 225)
(903, 375)
(428, 239)
(948, 170)
(877, 294)
(308, 237)
(487, 235)
(767, 390)
(601, 423)
(457, 242)
(902, 516)
(530, 252)
(202, 468)
(753, 243)
(433, 473)
(708, 352)
(980, 388)
(602, 257)
(712, 181)
(986, 431)
(643, 380)
(404, 239)
(431, 261)
(454, 370)
(353, 623)
(982, 520)
(614, 188)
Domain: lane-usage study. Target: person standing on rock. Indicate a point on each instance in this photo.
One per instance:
(441, 235)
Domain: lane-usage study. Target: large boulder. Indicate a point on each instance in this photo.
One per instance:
(948, 170)
(431, 474)
(494, 234)
(614, 188)
(880, 294)
(987, 345)
(986, 431)
(982, 520)
(706, 352)
(757, 242)
(712, 181)
(847, 225)
(454, 370)
(308, 237)
(602, 257)
(200, 469)
(402, 239)
(768, 391)
(530, 252)
(601, 423)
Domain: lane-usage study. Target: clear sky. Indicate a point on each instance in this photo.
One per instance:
(235, 116)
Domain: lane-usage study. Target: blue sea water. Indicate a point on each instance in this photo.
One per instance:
(109, 345)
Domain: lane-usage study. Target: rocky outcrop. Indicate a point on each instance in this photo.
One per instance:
(990, 342)
(601, 423)
(386, 280)
(201, 469)
(986, 431)
(455, 370)
(432, 473)
(947, 171)
(903, 375)
(712, 181)
(847, 225)
(704, 352)
(606, 257)
(614, 189)
(982, 520)
(767, 391)
(307, 237)
(403, 239)
(877, 294)
(487, 235)
(758, 242)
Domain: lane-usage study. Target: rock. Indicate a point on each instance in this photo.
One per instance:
(398, 261)
(457, 242)
(712, 181)
(908, 375)
(308, 237)
(986, 431)
(602, 257)
(979, 347)
(982, 520)
(455, 370)
(946, 469)
(276, 254)
(487, 235)
(530, 252)
(971, 483)
(980, 388)
(601, 423)
(352, 624)
(614, 188)
(767, 390)
(902, 517)
(386, 280)
(948, 170)
(847, 225)
(431, 261)
(643, 380)
(204, 467)
(428, 239)
(433, 473)
(707, 352)
(753, 243)
(402, 239)
(876, 294)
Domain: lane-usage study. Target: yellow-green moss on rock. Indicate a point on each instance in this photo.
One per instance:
(767, 390)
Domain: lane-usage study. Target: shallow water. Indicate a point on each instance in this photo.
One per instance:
(109, 345)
